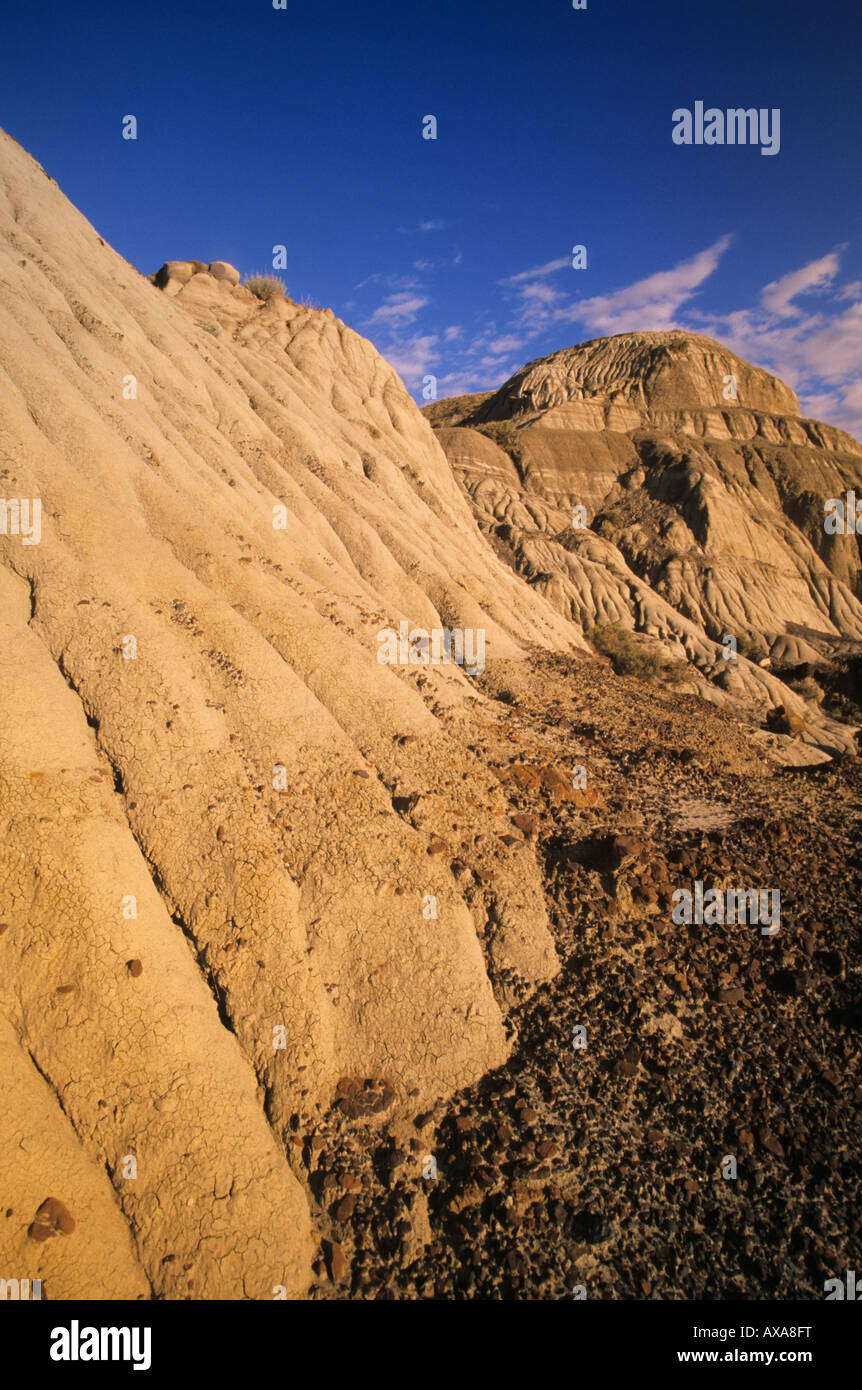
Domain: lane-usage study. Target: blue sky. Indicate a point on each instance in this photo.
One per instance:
(303, 127)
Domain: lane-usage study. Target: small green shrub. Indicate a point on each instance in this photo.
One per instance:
(612, 520)
(808, 688)
(675, 672)
(630, 658)
(504, 435)
(265, 286)
(751, 647)
(626, 656)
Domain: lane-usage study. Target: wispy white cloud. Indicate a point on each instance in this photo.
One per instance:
(778, 296)
(649, 305)
(434, 224)
(549, 268)
(413, 357)
(852, 290)
(390, 282)
(818, 354)
(506, 344)
(400, 309)
(426, 267)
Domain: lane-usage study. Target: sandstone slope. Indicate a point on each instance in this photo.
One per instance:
(227, 829)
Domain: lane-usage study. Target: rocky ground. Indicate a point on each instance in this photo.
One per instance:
(601, 1167)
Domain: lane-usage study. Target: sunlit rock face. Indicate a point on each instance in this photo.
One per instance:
(227, 826)
(658, 481)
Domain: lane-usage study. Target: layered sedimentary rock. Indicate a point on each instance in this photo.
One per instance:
(704, 499)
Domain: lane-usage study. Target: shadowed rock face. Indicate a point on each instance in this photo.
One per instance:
(227, 830)
(704, 515)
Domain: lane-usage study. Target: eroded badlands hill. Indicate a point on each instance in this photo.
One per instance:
(226, 827)
(703, 492)
(262, 896)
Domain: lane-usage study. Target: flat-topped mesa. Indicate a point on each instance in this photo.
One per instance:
(632, 379)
